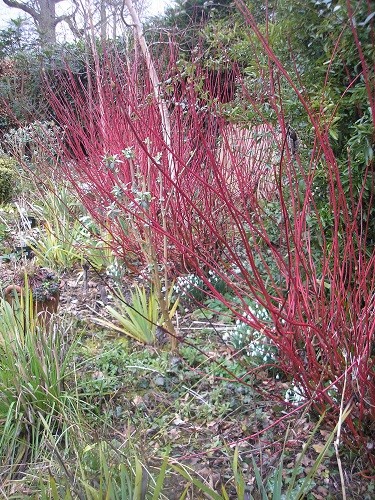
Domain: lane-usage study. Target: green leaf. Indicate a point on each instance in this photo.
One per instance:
(137, 495)
(333, 134)
(161, 478)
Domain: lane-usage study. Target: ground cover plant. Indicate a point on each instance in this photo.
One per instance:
(224, 234)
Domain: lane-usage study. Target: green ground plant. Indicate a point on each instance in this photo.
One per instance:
(110, 471)
(59, 242)
(57, 245)
(137, 318)
(41, 418)
(139, 374)
(92, 468)
(67, 236)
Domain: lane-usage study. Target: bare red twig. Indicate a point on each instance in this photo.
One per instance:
(239, 204)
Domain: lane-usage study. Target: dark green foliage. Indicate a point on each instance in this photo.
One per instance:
(7, 182)
(19, 73)
(23, 69)
(16, 38)
(185, 19)
(322, 59)
(190, 14)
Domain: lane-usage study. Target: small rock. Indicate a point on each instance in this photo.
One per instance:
(178, 420)
(137, 400)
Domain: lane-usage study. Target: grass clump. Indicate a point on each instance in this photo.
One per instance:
(36, 405)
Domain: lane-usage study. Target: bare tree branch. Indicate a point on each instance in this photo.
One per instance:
(21, 6)
(66, 17)
(44, 15)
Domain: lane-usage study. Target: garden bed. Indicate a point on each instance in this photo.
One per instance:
(189, 404)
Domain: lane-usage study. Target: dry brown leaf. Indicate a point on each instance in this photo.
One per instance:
(318, 447)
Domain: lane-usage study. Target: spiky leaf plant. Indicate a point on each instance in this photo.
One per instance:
(139, 317)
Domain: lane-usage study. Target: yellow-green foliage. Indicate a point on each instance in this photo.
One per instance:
(7, 179)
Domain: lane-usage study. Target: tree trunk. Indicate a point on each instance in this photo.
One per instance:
(46, 22)
(164, 113)
(103, 21)
(43, 13)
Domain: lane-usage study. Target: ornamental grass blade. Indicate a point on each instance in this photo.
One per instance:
(258, 478)
(161, 478)
(198, 484)
(321, 457)
(138, 493)
(239, 480)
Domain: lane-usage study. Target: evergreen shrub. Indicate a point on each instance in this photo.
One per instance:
(7, 179)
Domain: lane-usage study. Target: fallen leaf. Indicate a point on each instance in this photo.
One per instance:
(319, 447)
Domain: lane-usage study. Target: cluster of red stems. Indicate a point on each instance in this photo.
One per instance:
(203, 196)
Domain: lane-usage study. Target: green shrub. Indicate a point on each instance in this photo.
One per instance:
(7, 166)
